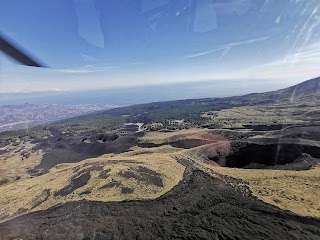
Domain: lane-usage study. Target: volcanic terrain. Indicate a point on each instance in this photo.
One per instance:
(241, 172)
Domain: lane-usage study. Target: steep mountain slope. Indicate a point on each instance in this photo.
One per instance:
(306, 88)
(310, 87)
(183, 108)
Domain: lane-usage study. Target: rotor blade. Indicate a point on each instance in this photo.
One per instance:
(17, 54)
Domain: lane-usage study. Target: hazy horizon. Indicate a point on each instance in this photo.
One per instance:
(144, 94)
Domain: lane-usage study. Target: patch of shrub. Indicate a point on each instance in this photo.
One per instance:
(3, 181)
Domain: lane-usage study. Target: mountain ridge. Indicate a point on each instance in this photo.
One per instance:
(303, 89)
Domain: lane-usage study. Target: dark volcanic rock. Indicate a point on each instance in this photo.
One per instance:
(290, 154)
(265, 127)
(102, 137)
(310, 132)
(70, 150)
(201, 207)
(76, 183)
(144, 175)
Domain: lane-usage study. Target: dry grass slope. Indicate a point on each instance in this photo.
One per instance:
(289, 112)
(297, 191)
(17, 158)
(139, 174)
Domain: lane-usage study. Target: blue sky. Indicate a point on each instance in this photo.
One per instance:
(95, 44)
